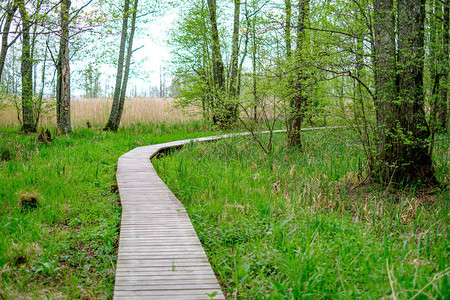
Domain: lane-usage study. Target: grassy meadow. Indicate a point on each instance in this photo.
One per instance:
(293, 225)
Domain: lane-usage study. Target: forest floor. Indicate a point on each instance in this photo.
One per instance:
(287, 224)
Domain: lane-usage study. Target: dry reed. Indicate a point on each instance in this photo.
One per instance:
(96, 111)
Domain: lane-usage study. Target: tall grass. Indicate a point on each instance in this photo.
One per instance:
(291, 225)
(96, 111)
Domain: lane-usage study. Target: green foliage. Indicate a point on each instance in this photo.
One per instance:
(192, 60)
(292, 225)
(335, 65)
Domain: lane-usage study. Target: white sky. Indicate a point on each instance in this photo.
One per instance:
(155, 52)
(154, 55)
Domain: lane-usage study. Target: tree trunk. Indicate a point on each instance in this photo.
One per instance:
(27, 73)
(411, 150)
(359, 99)
(287, 31)
(63, 96)
(384, 64)
(299, 99)
(443, 103)
(41, 93)
(221, 112)
(234, 89)
(385, 78)
(127, 63)
(10, 11)
(254, 72)
(288, 42)
(404, 155)
(435, 58)
(112, 123)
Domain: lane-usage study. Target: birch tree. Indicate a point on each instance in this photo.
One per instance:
(123, 65)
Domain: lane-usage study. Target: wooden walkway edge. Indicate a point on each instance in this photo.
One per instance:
(160, 255)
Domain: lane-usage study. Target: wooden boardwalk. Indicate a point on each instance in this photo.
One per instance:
(160, 255)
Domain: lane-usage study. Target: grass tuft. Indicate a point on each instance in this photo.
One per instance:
(28, 202)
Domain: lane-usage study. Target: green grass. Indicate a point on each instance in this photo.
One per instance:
(292, 224)
(66, 247)
(283, 225)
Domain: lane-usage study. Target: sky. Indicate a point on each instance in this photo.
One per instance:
(152, 57)
(155, 54)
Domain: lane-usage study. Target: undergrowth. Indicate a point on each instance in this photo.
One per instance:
(65, 245)
(291, 224)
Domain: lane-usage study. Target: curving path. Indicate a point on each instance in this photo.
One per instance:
(160, 255)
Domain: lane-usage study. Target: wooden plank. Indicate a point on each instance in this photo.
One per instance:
(158, 231)
(178, 297)
(173, 277)
(171, 287)
(144, 250)
(174, 268)
(152, 256)
(194, 294)
(159, 252)
(155, 272)
(178, 243)
(164, 280)
(169, 240)
(159, 234)
(148, 260)
(170, 264)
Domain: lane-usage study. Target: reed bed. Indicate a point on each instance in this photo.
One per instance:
(96, 111)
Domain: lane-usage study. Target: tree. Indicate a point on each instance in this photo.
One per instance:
(234, 80)
(438, 57)
(299, 98)
(63, 69)
(193, 78)
(201, 74)
(123, 67)
(442, 104)
(28, 124)
(220, 113)
(9, 12)
(91, 81)
(255, 46)
(287, 29)
(403, 154)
